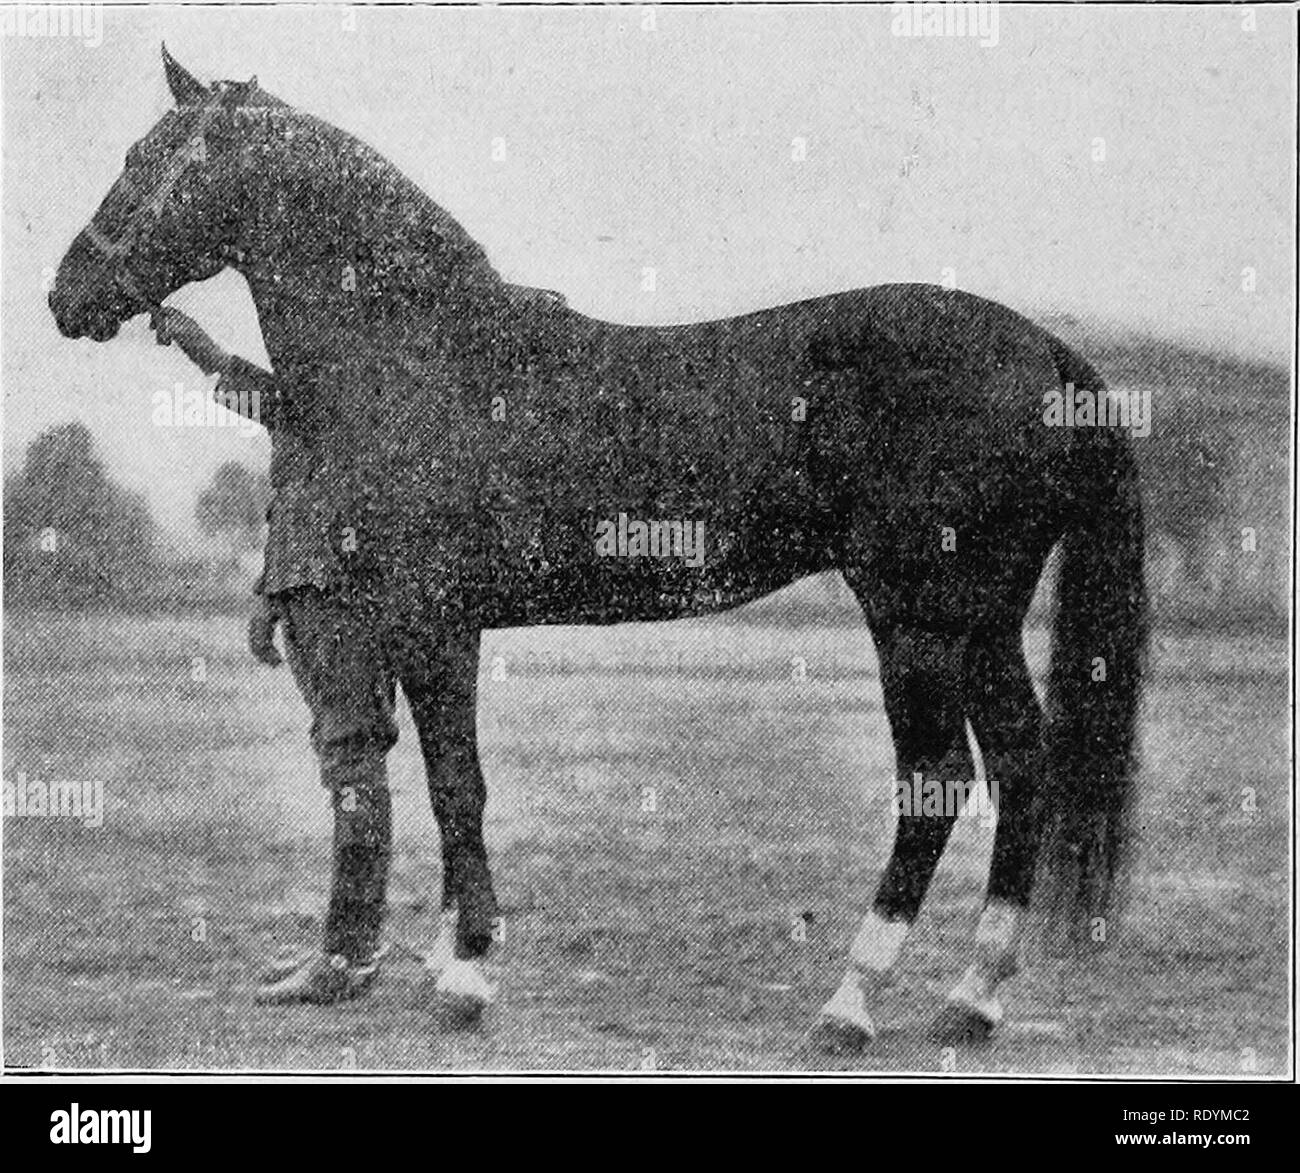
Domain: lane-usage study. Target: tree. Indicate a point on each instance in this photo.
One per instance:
(71, 534)
(234, 505)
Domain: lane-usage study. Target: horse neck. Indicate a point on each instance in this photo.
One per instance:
(342, 251)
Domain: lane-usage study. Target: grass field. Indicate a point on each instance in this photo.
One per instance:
(634, 936)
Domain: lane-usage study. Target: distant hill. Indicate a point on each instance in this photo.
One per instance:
(1130, 356)
(1216, 477)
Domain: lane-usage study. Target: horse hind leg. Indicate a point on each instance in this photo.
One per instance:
(921, 677)
(1007, 720)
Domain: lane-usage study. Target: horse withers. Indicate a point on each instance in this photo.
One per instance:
(500, 459)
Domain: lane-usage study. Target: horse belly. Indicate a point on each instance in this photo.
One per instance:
(687, 549)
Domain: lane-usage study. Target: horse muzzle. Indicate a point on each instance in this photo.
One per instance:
(82, 317)
(93, 293)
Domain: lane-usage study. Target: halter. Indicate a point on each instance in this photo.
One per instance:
(117, 252)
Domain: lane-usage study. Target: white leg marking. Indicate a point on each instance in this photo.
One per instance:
(443, 951)
(876, 947)
(464, 983)
(871, 956)
(461, 981)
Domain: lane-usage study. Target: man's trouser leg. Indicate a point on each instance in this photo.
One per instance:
(340, 670)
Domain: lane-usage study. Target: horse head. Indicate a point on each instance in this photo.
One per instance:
(170, 218)
(328, 234)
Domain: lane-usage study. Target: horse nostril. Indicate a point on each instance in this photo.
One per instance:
(63, 313)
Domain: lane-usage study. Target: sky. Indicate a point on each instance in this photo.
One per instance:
(749, 155)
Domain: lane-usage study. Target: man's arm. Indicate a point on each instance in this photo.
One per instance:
(247, 390)
(170, 325)
(250, 391)
(243, 388)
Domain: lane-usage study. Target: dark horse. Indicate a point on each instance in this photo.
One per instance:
(498, 459)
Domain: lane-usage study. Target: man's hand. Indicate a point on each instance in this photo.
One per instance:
(170, 325)
(261, 633)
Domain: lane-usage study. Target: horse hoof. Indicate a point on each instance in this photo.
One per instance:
(834, 1036)
(463, 991)
(956, 1024)
(844, 1026)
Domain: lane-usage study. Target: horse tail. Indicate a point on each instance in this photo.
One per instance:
(1099, 639)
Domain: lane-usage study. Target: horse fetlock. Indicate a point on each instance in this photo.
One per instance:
(998, 966)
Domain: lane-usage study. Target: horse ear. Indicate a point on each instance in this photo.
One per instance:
(186, 89)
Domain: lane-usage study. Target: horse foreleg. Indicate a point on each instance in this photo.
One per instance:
(845, 1022)
(921, 676)
(442, 695)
